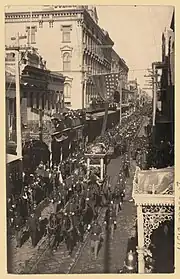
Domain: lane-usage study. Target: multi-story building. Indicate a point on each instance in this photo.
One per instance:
(159, 193)
(72, 42)
(119, 65)
(41, 91)
(163, 93)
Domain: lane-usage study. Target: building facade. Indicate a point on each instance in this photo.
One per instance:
(119, 65)
(41, 92)
(163, 97)
(78, 47)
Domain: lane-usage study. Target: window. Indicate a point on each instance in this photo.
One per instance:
(84, 37)
(53, 101)
(51, 24)
(41, 24)
(66, 62)
(37, 101)
(31, 34)
(66, 34)
(43, 101)
(31, 100)
(49, 102)
(67, 90)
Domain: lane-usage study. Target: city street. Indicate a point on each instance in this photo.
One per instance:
(60, 261)
(89, 138)
(118, 246)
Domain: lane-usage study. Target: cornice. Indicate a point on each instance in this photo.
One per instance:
(150, 199)
(41, 15)
(89, 19)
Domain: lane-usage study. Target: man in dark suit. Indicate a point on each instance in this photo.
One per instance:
(33, 227)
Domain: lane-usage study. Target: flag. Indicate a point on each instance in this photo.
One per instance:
(106, 84)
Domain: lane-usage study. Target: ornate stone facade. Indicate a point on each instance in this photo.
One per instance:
(78, 47)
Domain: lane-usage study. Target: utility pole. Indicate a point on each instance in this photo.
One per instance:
(155, 74)
(84, 90)
(18, 106)
(120, 102)
(41, 124)
(15, 50)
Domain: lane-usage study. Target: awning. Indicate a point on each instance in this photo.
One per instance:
(11, 158)
(100, 114)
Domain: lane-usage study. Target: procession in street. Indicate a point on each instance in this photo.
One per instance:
(83, 170)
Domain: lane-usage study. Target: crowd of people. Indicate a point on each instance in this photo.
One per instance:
(77, 198)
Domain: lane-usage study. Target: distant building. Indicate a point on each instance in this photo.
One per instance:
(119, 65)
(134, 90)
(72, 42)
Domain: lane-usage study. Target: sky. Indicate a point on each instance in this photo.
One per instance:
(136, 32)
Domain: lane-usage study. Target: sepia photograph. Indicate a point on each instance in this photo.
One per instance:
(89, 101)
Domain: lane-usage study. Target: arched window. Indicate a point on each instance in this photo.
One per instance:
(66, 62)
(67, 90)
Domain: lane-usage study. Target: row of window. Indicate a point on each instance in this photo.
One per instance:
(31, 33)
(90, 92)
(92, 66)
(42, 102)
(91, 44)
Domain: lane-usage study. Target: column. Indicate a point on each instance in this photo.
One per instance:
(140, 230)
(50, 157)
(18, 109)
(8, 120)
(88, 166)
(102, 168)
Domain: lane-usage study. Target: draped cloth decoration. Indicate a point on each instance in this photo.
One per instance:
(158, 181)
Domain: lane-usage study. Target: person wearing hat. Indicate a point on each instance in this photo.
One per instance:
(52, 230)
(33, 227)
(59, 235)
(117, 198)
(126, 168)
(17, 222)
(110, 219)
(54, 200)
(96, 232)
(130, 263)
